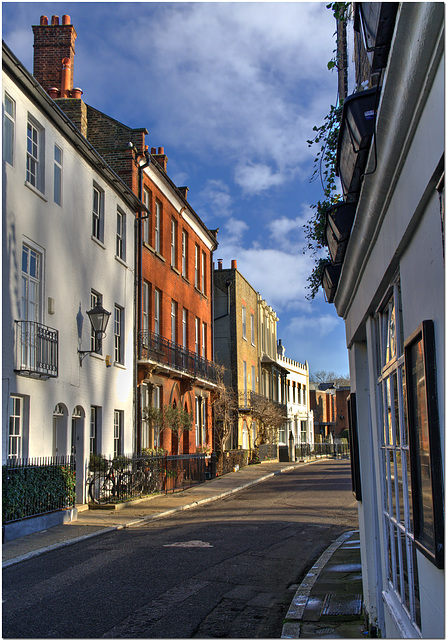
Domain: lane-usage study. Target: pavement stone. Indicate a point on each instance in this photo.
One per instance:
(328, 602)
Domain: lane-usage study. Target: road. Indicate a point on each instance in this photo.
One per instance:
(227, 569)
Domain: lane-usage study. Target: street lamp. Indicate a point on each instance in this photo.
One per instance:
(99, 318)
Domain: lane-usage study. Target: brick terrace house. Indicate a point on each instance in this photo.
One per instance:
(173, 287)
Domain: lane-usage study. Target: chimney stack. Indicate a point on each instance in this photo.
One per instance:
(160, 157)
(183, 191)
(233, 264)
(220, 263)
(52, 44)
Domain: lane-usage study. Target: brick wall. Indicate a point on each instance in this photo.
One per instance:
(52, 43)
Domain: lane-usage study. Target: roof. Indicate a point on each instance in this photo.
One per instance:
(14, 68)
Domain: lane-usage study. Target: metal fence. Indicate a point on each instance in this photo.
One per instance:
(322, 450)
(37, 486)
(124, 478)
(37, 349)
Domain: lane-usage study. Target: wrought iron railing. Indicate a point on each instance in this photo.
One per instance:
(152, 346)
(37, 349)
(37, 486)
(124, 478)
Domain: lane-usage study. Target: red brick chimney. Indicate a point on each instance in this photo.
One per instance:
(160, 157)
(54, 43)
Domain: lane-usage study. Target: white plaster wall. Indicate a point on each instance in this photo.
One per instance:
(73, 264)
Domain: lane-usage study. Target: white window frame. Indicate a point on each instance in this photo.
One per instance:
(203, 272)
(184, 254)
(203, 340)
(173, 242)
(118, 333)
(197, 266)
(145, 223)
(35, 155)
(95, 298)
(15, 433)
(120, 234)
(184, 326)
(253, 342)
(97, 209)
(9, 117)
(57, 187)
(173, 321)
(244, 322)
(197, 335)
(157, 239)
(95, 412)
(30, 304)
(118, 431)
(145, 306)
(157, 312)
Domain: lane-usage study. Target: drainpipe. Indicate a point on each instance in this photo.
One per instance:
(138, 305)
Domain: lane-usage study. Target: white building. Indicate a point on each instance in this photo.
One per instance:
(390, 292)
(68, 229)
(299, 428)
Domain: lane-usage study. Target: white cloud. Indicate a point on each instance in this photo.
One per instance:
(288, 233)
(255, 178)
(320, 325)
(215, 199)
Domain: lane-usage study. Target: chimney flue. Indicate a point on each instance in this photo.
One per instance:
(54, 20)
(220, 263)
(233, 264)
(66, 77)
(43, 21)
(66, 20)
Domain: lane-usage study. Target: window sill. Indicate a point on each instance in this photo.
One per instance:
(185, 279)
(160, 257)
(149, 247)
(121, 261)
(97, 356)
(35, 190)
(175, 269)
(119, 365)
(98, 242)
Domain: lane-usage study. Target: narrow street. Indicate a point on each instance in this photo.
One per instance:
(226, 569)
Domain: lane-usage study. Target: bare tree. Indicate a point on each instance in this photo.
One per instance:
(320, 377)
(270, 418)
(225, 406)
(177, 419)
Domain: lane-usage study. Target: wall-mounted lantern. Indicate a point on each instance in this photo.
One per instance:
(338, 223)
(330, 278)
(99, 318)
(355, 136)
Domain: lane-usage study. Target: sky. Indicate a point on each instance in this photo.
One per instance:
(232, 91)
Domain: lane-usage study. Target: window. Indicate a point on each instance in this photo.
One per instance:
(94, 426)
(253, 377)
(30, 306)
(35, 158)
(303, 431)
(173, 242)
(98, 214)
(184, 254)
(158, 227)
(197, 421)
(57, 175)
(9, 130)
(145, 229)
(145, 306)
(203, 340)
(120, 234)
(15, 427)
(197, 266)
(119, 334)
(184, 326)
(244, 322)
(197, 336)
(203, 272)
(304, 394)
(245, 382)
(173, 321)
(401, 563)
(253, 341)
(95, 342)
(118, 432)
(157, 311)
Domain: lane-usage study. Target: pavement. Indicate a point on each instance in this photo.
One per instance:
(327, 604)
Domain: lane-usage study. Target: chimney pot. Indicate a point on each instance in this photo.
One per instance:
(55, 20)
(220, 263)
(43, 21)
(66, 77)
(66, 19)
(76, 93)
(161, 151)
(153, 151)
(233, 264)
(54, 92)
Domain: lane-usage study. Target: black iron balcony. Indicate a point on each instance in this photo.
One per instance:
(37, 349)
(355, 136)
(338, 223)
(152, 346)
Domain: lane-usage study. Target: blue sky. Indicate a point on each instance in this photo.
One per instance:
(232, 92)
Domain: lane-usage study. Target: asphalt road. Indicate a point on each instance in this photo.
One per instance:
(227, 569)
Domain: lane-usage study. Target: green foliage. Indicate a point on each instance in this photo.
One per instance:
(325, 167)
(30, 491)
(340, 9)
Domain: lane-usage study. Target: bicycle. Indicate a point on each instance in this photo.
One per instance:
(104, 487)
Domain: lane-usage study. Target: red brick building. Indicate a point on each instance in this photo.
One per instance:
(329, 406)
(174, 248)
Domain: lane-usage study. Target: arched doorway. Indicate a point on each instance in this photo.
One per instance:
(61, 445)
(77, 450)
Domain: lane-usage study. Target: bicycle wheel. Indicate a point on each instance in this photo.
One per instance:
(100, 489)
